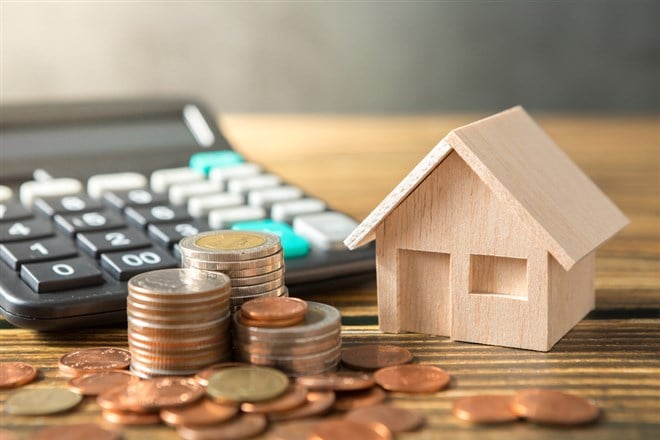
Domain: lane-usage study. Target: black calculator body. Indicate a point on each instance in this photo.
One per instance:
(77, 220)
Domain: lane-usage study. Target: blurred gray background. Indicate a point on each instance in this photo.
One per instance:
(378, 57)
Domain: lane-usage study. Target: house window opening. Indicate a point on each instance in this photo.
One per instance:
(498, 276)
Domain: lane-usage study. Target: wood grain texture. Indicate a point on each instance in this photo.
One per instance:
(611, 357)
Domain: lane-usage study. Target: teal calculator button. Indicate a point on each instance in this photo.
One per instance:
(293, 244)
(207, 160)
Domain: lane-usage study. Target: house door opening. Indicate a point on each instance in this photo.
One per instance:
(424, 293)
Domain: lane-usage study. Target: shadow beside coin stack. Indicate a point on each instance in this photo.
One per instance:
(254, 261)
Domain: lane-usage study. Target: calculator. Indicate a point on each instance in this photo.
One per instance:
(94, 193)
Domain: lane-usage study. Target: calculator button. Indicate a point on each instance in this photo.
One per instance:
(266, 197)
(155, 214)
(23, 252)
(293, 244)
(180, 193)
(225, 218)
(286, 211)
(168, 234)
(326, 230)
(97, 243)
(243, 185)
(102, 183)
(204, 162)
(25, 230)
(71, 224)
(243, 170)
(134, 197)
(61, 275)
(161, 180)
(12, 210)
(34, 189)
(124, 265)
(50, 206)
(200, 206)
(5, 193)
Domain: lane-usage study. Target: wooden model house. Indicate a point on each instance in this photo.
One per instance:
(490, 239)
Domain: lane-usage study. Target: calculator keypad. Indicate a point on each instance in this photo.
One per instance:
(141, 217)
(72, 224)
(23, 252)
(97, 243)
(61, 275)
(124, 265)
(25, 230)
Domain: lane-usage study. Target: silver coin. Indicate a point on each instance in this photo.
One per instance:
(258, 279)
(275, 260)
(229, 245)
(257, 288)
(173, 282)
(240, 273)
(293, 349)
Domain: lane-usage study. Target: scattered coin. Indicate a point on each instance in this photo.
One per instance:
(274, 309)
(396, 419)
(317, 403)
(484, 409)
(90, 360)
(119, 417)
(15, 374)
(343, 381)
(412, 378)
(247, 384)
(294, 429)
(203, 376)
(202, 412)
(554, 407)
(8, 435)
(93, 384)
(152, 394)
(348, 400)
(83, 431)
(374, 356)
(41, 401)
(294, 397)
(241, 427)
(342, 429)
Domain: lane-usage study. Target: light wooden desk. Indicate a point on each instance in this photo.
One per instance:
(612, 357)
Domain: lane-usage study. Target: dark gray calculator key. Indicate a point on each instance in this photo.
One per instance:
(147, 215)
(134, 197)
(97, 243)
(167, 234)
(71, 224)
(124, 265)
(23, 252)
(50, 206)
(25, 230)
(61, 275)
(11, 210)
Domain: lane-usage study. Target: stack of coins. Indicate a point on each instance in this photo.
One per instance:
(254, 261)
(178, 321)
(312, 346)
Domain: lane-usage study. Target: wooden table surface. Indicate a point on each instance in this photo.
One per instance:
(612, 357)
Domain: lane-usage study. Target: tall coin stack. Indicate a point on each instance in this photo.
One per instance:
(178, 321)
(254, 261)
(312, 346)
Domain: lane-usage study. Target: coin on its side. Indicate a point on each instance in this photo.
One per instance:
(202, 412)
(15, 374)
(348, 400)
(244, 426)
(343, 381)
(41, 401)
(342, 429)
(317, 403)
(119, 417)
(554, 407)
(412, 378)
(396, 419)
(73, 432)
(93, 384)
(375, 356)
(484, 409)
(247, 384)
(95, 359)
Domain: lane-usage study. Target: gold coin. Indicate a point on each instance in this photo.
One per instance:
(228, 245)
(41, 401)
(237, 241)
(247, 384)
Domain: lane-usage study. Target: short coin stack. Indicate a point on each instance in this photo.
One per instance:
(178, 321)
(254, 261)
(301, 346)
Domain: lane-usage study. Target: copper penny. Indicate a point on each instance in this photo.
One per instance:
(484, 409)
(348, 400)
(83, 431)
(119, 417)
(554, 407)
(412, 378)
(91, 360)
(294, 397)
(272, 323)
(342, 429)
(203, 376)
(15, 374)
(202, 412)
(375, 356)
(243, 426)
(152, 394)
(396, 419)
(337, 381)
(294, 429)
(273, 308)
(317, 403)
(93, 384)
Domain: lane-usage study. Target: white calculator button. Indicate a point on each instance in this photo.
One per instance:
(200, 206)
(179, 193)
(267, 196)
(244, 185)
(326, 230)
(48, 188)
(286, 211)
(161, 180)
(5, 193)
(222, 174)
(224, 218)
(101, 183)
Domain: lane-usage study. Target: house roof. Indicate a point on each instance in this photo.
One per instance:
(524, 168)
